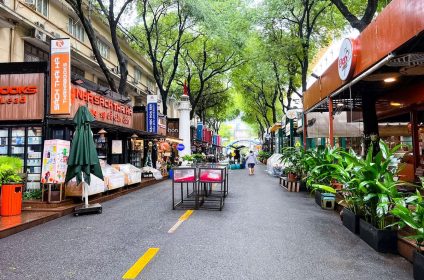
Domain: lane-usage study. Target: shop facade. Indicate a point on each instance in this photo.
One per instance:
(27, 120)
(377, 84)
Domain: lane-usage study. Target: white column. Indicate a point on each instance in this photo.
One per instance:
(184, 108)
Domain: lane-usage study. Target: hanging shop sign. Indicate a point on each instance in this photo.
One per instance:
(199, 131)
(21, 96)
(152, 114)
(173, 128)
(60, 77)
(346, 62)
(102, 108)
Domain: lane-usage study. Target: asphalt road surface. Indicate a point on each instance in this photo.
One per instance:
(263, 232)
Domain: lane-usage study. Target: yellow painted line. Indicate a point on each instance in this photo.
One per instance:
(139, 265)
(186, 215)
(183, 218)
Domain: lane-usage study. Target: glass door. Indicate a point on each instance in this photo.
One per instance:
(4, 141)
(34, 157)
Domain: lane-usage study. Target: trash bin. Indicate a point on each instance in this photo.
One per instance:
(11, 199)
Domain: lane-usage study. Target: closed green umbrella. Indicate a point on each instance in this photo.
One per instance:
(83, 159)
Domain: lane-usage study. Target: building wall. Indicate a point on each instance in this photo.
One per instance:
(56, 23)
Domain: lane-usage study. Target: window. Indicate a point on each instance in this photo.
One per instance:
(78, 71)
(76, 29)
(33, 54)
(103, 48)
(137, 75)
(40, 6)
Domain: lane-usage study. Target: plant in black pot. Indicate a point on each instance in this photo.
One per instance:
(376, 187)
(344, 172)
(410, 211)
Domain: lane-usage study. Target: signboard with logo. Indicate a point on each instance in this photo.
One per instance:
(22, 96)
(152, 114)
(173, 128)
(102, 108)
(60, 77)
(347, 59)
(199, 131)
(55, 161)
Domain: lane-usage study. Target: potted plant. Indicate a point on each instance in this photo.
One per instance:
(291, 157)
(321, 170)
(410, 211)
(10, 167)
(378, 191)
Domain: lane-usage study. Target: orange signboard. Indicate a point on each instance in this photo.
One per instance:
(60, 77)
(102, 108)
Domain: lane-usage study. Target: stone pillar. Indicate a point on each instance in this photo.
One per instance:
(184, 108)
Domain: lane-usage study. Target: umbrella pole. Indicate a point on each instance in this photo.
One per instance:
(85, 190)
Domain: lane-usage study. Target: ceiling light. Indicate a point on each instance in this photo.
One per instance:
(390, 80)
(395, 104)
(340, 104)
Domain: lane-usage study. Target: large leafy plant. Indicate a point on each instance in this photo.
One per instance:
(292, 159)
(10, 167)
(320, 164)
(372, 183)
(412, 216)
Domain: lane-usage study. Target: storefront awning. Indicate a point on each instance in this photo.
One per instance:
(385, 54)
(275, 127)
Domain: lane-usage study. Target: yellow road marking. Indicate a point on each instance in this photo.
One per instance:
(139, 265)
(183, 218)
(186, 215)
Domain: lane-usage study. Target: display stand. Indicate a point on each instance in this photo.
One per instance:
(187, 200)
(212, 186)
(290, 185)
(48, 187)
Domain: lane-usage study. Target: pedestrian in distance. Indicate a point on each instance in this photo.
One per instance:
(251, 161)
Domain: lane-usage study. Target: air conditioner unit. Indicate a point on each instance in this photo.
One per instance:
(39, 24)
(37, 34)
(138, 91)
(92, 56)
(31, 4)
(135, 81)
(116, 70)
(56, 35)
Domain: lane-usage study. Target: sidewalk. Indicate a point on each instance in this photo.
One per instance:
(34, 214)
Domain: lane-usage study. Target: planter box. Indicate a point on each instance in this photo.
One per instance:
(303, 187)
(318, 197)
(418, 265)
(351, 221)
(383, 241)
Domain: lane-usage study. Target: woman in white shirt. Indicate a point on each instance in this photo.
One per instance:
(251, 161)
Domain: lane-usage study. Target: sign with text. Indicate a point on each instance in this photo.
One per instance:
(152, 114)
(60, 77)
(21, 96)
(199, 131)
(173, 128)
(346, 62)
(102, 108)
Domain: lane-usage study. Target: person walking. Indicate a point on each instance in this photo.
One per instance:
(251, 161)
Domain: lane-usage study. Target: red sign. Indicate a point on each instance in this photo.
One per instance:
(347, 59)
(103, 109)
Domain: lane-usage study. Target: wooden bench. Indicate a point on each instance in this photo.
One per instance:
(290, 185)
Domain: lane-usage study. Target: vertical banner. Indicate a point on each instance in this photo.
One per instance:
(60, 77)
(199, 131)
(152, 114)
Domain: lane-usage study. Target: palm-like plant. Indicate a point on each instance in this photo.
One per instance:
(412, 216)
